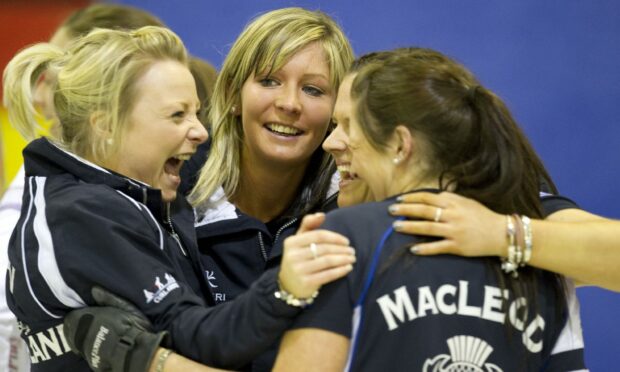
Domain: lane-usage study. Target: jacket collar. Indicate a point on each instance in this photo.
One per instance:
(219, 208)
(44, 158)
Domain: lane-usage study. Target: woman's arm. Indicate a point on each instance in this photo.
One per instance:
(571, 242)
(167, 361)
(233, 333)
(312, 349)
(301, 350)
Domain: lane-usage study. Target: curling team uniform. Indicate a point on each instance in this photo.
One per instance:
(441, 313)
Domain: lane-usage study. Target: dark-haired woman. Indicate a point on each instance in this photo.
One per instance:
(415, 125)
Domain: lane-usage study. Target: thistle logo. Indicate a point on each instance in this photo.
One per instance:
(161, 289)
(467, 353)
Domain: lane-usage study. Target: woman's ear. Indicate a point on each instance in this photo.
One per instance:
(100, 127)
(403, 144)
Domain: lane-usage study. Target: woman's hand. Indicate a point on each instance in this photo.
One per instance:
(314, 257)
(468, 227)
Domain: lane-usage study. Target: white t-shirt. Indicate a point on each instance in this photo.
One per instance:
(13, 351)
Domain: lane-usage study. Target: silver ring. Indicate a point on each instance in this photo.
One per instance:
(438, 213)
(315, 254)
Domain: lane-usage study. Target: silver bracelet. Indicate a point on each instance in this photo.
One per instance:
(291, 300)
(527, 232)
(510, 264)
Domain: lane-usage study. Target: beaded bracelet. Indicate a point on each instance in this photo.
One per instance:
(509, 264)
(291, 300)
(527, 232)
(519, 236)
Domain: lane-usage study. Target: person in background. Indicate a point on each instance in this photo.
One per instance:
(427, 126)
(205, 75)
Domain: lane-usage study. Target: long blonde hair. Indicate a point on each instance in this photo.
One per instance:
(266, 44)
(94, 77)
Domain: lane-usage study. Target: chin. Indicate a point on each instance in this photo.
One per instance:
(345, 200)
(168, 195)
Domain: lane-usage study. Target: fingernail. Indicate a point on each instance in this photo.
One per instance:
(398, 225)
(399, 198)
(352, 250)
(349, 267)
(415, 249)
(392, 209)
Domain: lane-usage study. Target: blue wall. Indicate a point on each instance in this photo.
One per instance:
(556, 64)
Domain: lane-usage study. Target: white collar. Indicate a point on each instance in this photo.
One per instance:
(217, 208)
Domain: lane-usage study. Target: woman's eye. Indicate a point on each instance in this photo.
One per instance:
(313, 91)
(268, 82)
(178, 114)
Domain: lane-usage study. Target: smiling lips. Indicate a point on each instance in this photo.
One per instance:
(345, 174)
(283, 130)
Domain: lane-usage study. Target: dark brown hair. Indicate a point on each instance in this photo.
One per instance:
(204, 74)
(472, 143)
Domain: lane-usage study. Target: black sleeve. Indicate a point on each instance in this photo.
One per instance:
(333, 308)
(234, 333)
(554, 203)
(114, 243)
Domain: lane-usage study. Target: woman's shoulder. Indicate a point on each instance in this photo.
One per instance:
(363, 224)
(73, 198)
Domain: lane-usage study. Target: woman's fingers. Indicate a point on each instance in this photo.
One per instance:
(311, 222)
(313, 258)
(325, 250)
(421, 211)
(329, 275)
(433, 248)
(316, 237)
(429, 228)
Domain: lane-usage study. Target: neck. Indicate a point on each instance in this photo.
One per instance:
(265, 191)
(411, 179)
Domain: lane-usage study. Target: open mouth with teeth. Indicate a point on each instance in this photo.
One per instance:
(345, 173)
(283, 130)
(173, 165)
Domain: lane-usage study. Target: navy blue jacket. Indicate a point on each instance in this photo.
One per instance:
(82, 225)
(438, 312)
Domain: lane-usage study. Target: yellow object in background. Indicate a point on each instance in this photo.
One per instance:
(12, 146)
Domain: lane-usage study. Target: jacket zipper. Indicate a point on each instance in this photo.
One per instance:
(263, 251)
(172, 231)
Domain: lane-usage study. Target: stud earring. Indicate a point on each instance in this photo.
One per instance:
(233, 110)
(396, 161)
(109, 141)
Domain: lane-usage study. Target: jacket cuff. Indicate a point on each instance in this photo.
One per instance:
(267, 286)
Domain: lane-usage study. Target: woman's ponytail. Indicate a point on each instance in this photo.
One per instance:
(19, 79)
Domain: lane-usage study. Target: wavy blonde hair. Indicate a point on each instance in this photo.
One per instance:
(266, 44)
(95, 80)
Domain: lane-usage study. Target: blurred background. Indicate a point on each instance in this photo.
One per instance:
(555, 63)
